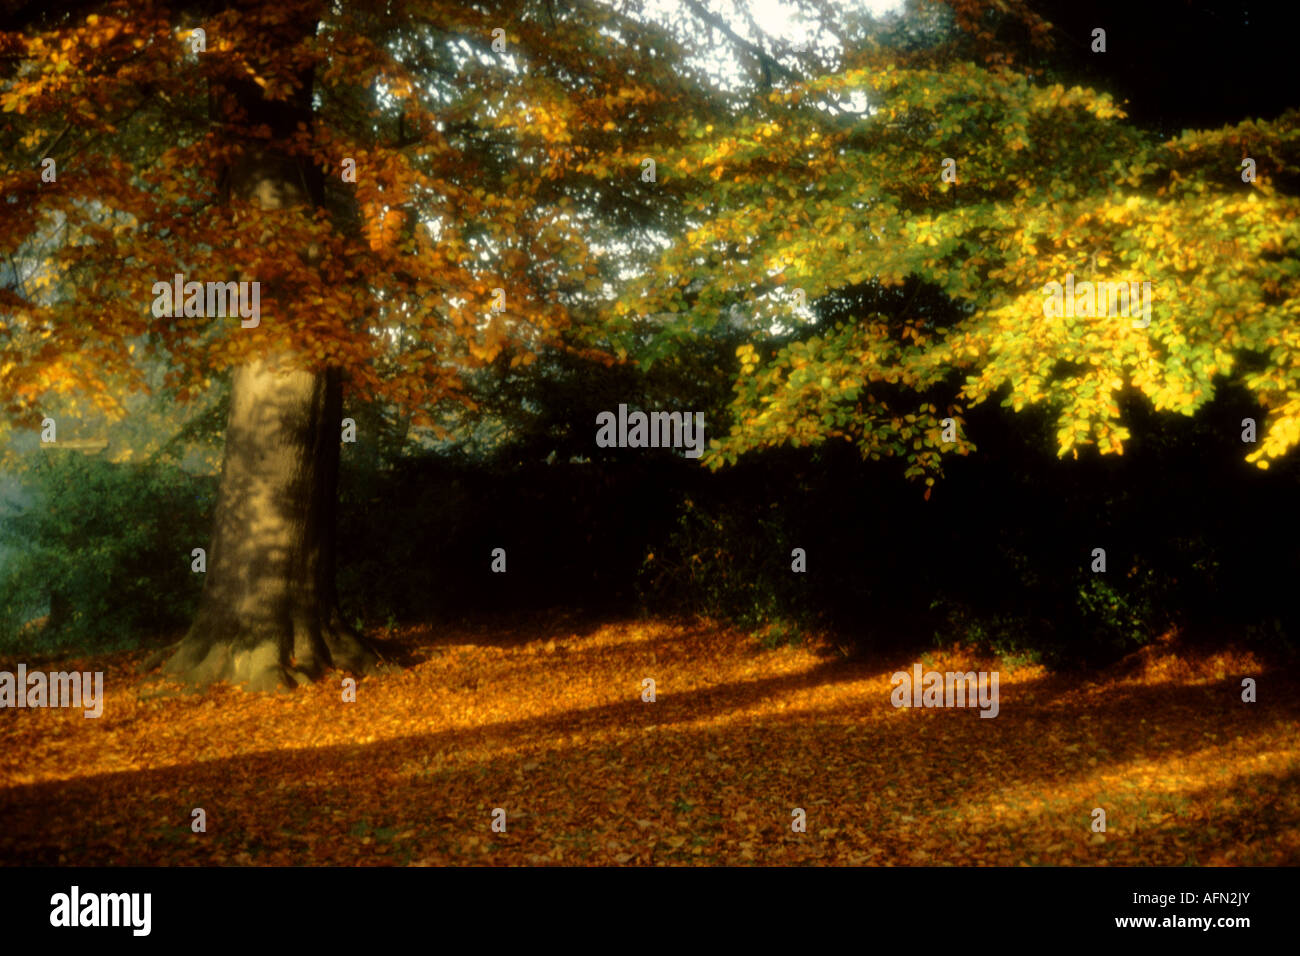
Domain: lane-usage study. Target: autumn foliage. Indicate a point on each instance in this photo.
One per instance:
(546, 721)
(435, 194)
(808, 199)
(841, 265)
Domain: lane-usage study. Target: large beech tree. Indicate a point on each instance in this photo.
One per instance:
(387, 174)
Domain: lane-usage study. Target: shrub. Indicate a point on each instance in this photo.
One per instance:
(107, 548)
(725, 564)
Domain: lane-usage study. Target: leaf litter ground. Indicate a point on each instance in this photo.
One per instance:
(546, 721)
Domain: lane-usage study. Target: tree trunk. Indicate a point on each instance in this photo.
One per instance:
(268, 616)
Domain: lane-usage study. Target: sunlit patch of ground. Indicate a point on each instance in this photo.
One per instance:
(547, 722)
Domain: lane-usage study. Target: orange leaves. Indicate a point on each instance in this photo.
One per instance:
(548, 724)
(383, 226)
(454, 193)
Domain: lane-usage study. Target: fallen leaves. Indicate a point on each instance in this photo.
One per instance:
(708, 774)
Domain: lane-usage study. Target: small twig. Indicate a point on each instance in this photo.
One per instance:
(50, 148)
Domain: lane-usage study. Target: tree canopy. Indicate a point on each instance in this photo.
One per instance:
(971, 189)
(466, 157)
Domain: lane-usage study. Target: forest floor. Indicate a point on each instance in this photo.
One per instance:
(547, 723)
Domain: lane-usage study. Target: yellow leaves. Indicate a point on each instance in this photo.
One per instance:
(925, 233)
(13, 101)
(748, 358)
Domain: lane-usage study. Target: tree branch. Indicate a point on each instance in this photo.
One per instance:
(768, 64)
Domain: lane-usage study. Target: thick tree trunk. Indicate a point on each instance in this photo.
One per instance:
(268, 616)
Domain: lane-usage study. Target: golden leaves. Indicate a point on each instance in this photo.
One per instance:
(589, 773)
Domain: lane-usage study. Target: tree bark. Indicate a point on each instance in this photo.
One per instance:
(268, 616)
